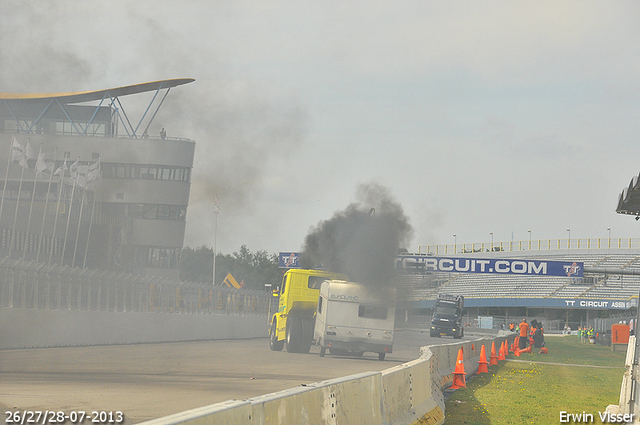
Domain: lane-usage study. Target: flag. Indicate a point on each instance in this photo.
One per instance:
(29, 151)
(93, 174)
(49, 161)
(41, 165)
(23, 162)
(60, 171)
(216, 207)
(81, 175)
(17, 151)
(73, 169)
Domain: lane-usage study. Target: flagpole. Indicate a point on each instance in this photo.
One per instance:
(215, 240)
(55, 221)
(86, 248)
(66, 231)
(15, 215)
(4, 190)
(33, 195)
(6, 174)
(46, 206)
(93, 208)
(75, 249)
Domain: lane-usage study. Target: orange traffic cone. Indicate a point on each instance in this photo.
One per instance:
(501, 352)
(494, 358)
(482, 363)
(513, 345)
(543, 350)
(517, 352)
(458, 374)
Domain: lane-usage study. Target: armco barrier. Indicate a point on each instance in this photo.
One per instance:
(410, 393)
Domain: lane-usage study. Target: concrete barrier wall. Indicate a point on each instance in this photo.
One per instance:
(32, 327)
(629, 402)
(410, 393)
(406, 394)
(351, 400)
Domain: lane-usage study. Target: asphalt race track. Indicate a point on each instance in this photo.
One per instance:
(147, 381)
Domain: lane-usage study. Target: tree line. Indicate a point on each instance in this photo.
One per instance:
(255, 269)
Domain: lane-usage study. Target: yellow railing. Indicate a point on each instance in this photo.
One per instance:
(535, 245)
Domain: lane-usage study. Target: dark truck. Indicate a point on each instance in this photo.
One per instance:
(447, 316)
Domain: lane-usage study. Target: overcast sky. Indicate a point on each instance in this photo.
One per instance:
(477, 117)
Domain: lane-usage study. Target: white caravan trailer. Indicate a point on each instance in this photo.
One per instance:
(352, 318)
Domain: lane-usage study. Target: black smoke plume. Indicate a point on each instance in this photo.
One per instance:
(361, 241)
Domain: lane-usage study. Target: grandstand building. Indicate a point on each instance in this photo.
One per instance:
(84, 186)
(609, 286)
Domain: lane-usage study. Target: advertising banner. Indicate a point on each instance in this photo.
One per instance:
(521, 267)
(562, 303)
(288, 260)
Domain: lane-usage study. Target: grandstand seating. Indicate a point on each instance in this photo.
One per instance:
(597, 286)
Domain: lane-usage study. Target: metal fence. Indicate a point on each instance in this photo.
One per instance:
(531, 245)
(37, 285)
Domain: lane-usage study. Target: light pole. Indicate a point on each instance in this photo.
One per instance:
(491, 233)
(455, 244)
(609, 229)
(529, 239)
(569, 240)
(216, 211)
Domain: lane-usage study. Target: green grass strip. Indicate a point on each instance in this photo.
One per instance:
(537, 387)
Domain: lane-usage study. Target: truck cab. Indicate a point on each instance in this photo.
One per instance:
(292, 325)
(447, 316)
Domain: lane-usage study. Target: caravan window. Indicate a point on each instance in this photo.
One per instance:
(372, 311)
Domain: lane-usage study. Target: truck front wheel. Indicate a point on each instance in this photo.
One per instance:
(274, 344)
(460, 334)
(306, 335)
(294, 334)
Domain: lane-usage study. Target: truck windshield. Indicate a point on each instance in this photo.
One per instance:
(316, 281)
(442, 310)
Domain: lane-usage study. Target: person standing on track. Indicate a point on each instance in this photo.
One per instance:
(524, 334)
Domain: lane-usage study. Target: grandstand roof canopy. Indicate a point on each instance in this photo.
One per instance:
(29, 109)
(87, 96)
(629, 199)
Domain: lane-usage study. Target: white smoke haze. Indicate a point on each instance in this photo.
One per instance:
(483, 119)
(238, 123)
(363, 240)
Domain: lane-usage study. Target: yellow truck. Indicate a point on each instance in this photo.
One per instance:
(294, 321)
